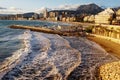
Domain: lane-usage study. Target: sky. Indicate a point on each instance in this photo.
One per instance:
(32, 5)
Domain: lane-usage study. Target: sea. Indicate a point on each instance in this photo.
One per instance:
(11, 40)
(29, 55)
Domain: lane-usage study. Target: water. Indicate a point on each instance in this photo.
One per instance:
(12, 40)
(28, 55)
(25, 50)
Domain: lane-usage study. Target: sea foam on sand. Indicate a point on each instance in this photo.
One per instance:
(51, 56)
(54, 57)
(17, 56)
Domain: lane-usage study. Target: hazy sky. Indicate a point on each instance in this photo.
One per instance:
(31, 5)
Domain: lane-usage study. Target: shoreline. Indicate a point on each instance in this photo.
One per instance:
(73, 23)
(92, 56)
(89, 57)
(107, 48)
(110, 46)
(79, 23)
(81, 59)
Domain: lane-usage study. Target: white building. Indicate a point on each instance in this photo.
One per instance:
(105, 17)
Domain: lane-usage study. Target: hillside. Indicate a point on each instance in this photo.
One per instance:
(82, 9)
(89, 9)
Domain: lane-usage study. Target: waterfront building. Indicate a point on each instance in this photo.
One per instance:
(118, 17)
(19, 17)
(45, 13)
(105, 17)
(8, 17)
(62, 15)
(90, 18)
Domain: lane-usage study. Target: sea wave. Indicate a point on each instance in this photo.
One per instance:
(50, 56)
(18, 55)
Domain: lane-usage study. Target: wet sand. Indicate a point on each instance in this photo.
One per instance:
(54, 57)
(111, 47)
(50, 58)
(92, 57)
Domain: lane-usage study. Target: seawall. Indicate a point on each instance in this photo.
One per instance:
(109, 32)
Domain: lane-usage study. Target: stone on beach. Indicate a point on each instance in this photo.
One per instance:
(110, 71)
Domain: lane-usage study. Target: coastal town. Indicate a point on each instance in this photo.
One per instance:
(87, 48)
(103, 16)
(104, 22)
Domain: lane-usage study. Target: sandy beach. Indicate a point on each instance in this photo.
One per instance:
(54, 57)
(111, 47)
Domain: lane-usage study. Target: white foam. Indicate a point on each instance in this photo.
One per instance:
(10, 62)
(47, 52)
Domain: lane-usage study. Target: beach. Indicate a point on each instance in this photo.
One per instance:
(47, 56)
(54, 57)
(59, 40)
(111, 47)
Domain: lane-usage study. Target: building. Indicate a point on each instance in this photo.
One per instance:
(90, 18)
(7, 17)
(31, 16)
(45, 13)
(105, 17)
(117, 17)
(62, 15)
(19, 17)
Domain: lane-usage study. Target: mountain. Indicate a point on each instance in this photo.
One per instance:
(3, 15)
(89, 9)
(116, 8)
(2, 8)
(27, 15)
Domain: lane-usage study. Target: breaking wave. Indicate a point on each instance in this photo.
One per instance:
(18, 55)
(48, 55)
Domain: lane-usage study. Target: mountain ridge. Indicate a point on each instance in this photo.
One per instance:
(89, 9)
